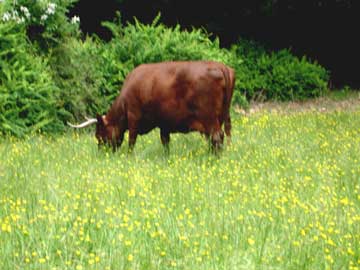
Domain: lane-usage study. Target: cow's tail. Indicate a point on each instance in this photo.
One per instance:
(229, 76)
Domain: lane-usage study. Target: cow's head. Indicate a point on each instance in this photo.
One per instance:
(105, 133)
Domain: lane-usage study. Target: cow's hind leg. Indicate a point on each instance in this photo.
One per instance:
(216, 137)
(217, 140)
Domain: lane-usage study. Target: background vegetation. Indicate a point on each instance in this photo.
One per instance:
(284, 195)
(52, 73)
(322, 30)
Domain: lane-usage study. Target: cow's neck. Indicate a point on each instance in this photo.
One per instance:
(116, 114)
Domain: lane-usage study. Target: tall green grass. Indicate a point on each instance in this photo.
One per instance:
(284, 195)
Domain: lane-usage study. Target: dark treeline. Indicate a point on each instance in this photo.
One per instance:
(324, 30)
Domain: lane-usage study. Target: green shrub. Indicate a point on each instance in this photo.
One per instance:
(138, 43)
(48, 75)
(46, 22)
(77, 69)
(27, 92)
(277, 75)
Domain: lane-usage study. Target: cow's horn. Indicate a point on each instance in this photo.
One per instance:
(84, 124)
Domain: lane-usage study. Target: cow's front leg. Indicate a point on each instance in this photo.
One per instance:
(217, 140)
(133, 132)
(165, 139)
(116, 143)
(132, 138)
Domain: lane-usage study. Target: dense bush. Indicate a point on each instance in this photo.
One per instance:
(27, 93)
(45, 21)
(77, 69)
(31, 32)
(49, 74)
(277, 75)
(138, 43)
(72, 65)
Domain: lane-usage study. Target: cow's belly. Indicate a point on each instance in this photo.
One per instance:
(171, 116)
(146, 126)
(170, 127)
(182, 128)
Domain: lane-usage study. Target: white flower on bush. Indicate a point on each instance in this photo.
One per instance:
(6, 17)
(15, 15)
(51, 8)
(75, 19)
(20, 19)
(43, 17)
(25, 11)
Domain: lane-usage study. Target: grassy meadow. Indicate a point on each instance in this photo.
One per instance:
(284, 195)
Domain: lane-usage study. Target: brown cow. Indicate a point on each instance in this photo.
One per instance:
(174, 96)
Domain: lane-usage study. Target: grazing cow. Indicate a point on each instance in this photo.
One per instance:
(174, 96)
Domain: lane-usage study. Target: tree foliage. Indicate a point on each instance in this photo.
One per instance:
(28, 94)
